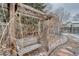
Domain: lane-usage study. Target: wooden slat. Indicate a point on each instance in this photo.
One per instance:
(36, 13)
(31, 13)
(26, 41)
(28, 49)
(25, 14)
(4, 5)
(30, 8)
(64, 52)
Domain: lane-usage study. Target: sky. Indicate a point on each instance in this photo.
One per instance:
(72, 8)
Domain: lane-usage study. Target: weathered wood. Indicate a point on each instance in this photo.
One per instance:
(27, 45)
(12, 39)
(57, 43)
(25, 14)
(64, 52)
(28, 49)
(39, 28)
(43, 39)
(26, 41)
(30, 8)
(25, 9)
(2, 23)
(31, 13)
(4, 5)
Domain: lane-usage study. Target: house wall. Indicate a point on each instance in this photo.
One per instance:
(74, 28)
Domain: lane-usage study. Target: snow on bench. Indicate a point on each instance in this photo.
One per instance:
(26, 41)
(28, 49)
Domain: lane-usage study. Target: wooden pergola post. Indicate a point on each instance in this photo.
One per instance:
(43, 33)
(12, 39)
(39, 28)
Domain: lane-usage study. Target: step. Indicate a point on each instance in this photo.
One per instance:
(29, 49)
(64, 52)
(69, 47)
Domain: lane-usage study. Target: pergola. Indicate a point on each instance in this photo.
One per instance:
(17, 10)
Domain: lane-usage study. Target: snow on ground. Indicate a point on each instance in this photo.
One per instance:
(74, 36)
